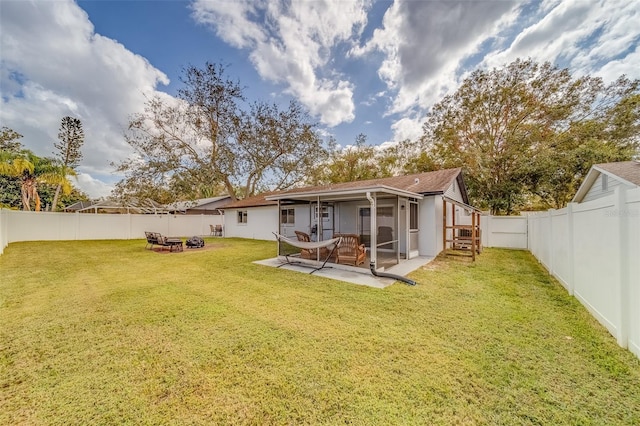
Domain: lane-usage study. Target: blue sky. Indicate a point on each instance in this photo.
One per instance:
(358, 66)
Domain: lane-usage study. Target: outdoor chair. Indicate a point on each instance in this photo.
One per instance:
(350, 251)
(310, 253)
(218, 231)
(155, 238)
(152, 239)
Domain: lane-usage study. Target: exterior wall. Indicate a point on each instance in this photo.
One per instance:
(596, 191)
(261, 223)
(430, 225)
(302, 221)
(454, 192)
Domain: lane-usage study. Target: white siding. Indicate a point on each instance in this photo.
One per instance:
(262, 222)
(596, 191)
(430, 225)
(453, 192)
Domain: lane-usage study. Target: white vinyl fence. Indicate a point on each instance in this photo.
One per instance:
(504, 231)
(593, 249)
(44, 226)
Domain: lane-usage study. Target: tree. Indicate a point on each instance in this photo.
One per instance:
(508, 129)
(10, 140)
(32, 170)
(71, 138)
(204, 140)
(359, 161)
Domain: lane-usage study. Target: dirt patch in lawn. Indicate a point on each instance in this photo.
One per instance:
(207, 247)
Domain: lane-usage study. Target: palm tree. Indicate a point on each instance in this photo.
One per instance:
(32, 170)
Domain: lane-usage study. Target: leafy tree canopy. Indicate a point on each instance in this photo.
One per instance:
(531, 130)
(10, 140)
(28, 172)
(210, 141)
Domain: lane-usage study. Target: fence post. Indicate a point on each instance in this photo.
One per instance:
(621, 215)
(77, 230)
(570, 248)
(550, 241)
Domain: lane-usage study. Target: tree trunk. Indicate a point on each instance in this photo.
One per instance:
(54, 205)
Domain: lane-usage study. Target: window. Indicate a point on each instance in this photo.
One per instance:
(288, 216)
(413, 216)
(324, 214)
(242, 216)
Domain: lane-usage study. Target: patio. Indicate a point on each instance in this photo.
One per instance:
(360, 275)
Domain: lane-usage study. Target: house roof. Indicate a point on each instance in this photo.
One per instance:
(428, 183)
(627, 172)
(195, 204)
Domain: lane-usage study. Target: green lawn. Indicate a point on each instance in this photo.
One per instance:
(109, 333)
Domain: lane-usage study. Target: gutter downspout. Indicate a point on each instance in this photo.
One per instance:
(374, 249)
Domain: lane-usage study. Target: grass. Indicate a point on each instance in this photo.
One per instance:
(104, 332)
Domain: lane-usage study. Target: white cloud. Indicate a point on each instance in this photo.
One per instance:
(429, 47)
(53, 65)
(94, 187)
(425, 42)
(293, 43)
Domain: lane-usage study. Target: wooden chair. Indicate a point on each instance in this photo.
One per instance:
(350, 250)
(310, 253)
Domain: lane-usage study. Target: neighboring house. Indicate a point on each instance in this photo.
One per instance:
(211, 205)
(409, 212)
(603, 179)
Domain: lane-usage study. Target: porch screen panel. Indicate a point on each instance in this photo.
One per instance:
(387, 235)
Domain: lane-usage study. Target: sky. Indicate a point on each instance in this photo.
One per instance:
(358, 66)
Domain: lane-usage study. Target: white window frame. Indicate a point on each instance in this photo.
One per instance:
(290, 216)
(243, 217)
(417, 207)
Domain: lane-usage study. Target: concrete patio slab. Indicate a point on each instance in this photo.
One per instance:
(350, 274)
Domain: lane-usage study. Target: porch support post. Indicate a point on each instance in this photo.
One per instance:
(320, 234)
(373, 241)
(473, 236)
(444, 224)
(397, 244)
(279, 225)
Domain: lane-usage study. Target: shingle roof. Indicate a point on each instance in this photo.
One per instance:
(627, 170)
(421, 183)
(255, 201)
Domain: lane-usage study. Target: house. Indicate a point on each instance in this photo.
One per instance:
(410, 217)
(603, 179)
(212, 205)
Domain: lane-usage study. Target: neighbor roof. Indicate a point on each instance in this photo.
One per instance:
(194, 204)
(628, 172)
(428, 183)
